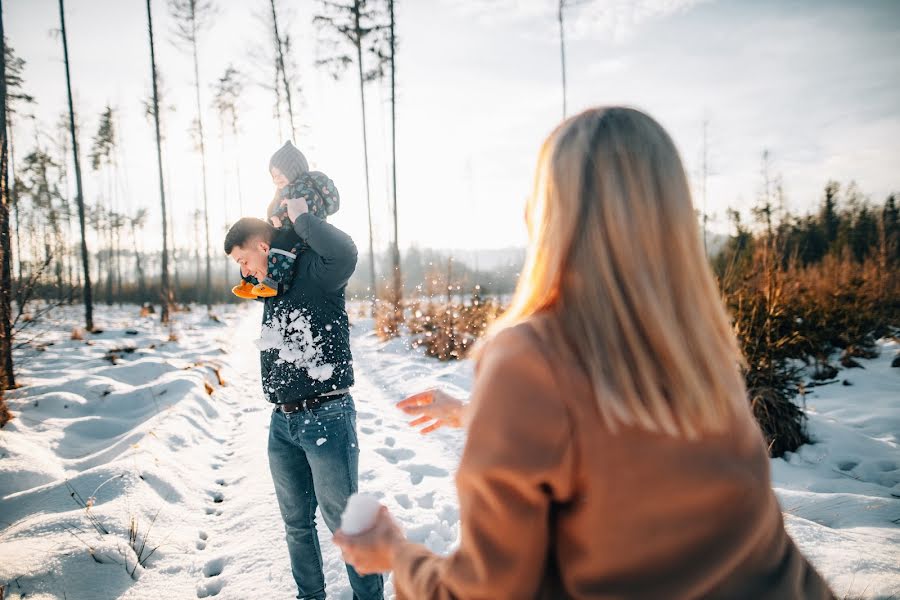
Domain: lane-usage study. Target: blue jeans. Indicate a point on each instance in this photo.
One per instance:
(314, 458)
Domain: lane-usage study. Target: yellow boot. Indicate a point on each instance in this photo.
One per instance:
(263, 291)
(244, 290)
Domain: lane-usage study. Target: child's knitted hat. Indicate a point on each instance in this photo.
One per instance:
(289, 161)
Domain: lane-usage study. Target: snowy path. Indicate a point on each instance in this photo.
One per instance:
(152, 432)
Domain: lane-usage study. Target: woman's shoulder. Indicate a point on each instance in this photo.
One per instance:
(534, 339)
(523, 355)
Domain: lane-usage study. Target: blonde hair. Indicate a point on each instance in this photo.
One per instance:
(615, 256)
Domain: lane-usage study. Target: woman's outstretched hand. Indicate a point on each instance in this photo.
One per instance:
(372, 551)
(440, 408)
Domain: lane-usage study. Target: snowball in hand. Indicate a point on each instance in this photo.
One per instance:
(360, 514)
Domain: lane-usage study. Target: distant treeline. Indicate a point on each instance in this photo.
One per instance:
(846, 225)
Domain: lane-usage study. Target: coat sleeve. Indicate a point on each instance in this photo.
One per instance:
(517, 462)
(335, 251)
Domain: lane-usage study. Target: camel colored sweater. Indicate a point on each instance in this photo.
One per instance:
(554, 505)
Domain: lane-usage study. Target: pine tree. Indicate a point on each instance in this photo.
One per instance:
(15, 96)
(226, 93)
(102, 153)
(828, 216)
(191, 17)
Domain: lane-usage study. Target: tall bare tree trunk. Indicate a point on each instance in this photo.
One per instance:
(187, 15)
(287, 88)
(177, 289)
(166, 290)
(79, 197)
(362, 98)
(197, 252)
(208, 292)
(64, 175)
(279, 138)
(398, 278)
(8, 379)
(13, 196)
(109, 247)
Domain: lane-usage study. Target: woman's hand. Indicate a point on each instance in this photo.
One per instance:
(372, 551)
(295, 207)
(434, 405)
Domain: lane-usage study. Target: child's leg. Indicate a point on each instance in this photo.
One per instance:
(316, 206)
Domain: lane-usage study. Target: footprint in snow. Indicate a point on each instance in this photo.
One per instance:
(394, 455)
(418, 472)
(426, 501)
(210, 588)
(214, 567)
(847, 465)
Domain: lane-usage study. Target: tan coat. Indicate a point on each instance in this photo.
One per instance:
(554, 505)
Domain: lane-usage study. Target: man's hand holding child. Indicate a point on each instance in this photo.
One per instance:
(295, 207)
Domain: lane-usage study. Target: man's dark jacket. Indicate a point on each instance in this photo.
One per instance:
(316, 296)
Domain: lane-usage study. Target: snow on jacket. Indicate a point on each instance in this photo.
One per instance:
(305, 339)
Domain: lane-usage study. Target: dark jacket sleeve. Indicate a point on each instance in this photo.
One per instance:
(335, 250)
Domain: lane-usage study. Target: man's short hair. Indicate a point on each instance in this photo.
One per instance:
(245, 229)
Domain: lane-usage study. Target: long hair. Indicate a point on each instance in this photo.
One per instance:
(615, 257)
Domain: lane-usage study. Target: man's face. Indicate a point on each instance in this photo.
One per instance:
(252, 258)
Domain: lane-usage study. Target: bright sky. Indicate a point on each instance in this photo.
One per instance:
(817, 83)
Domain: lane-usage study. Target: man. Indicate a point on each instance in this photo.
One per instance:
(307, 371)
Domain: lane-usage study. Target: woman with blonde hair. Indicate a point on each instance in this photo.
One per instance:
(611, 451)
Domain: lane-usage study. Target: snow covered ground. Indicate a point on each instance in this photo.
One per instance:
(162, 452)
